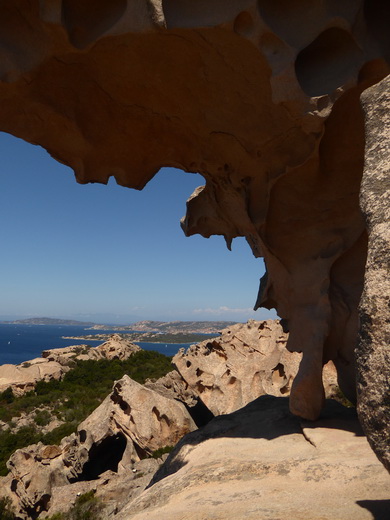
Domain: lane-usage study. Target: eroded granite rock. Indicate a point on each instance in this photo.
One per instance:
(246, 361)
(260, 97)
(373, 351)
(131, 423)
(262, 462)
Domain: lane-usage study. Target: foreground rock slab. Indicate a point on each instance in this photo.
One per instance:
(262, 463)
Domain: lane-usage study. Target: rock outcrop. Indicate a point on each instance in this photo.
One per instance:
(261, 462)
(23, 378)
(55, 363)
(130, 424)
(260, 97)
(373, 353)
(115, 347)
(246, 361)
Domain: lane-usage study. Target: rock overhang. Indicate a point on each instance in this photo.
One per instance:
(261, 98)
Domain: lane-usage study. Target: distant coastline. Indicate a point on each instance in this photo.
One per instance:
(48, 321)
(165, 327)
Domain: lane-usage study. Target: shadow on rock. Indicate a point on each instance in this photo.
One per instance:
(380, 509)
(267, 417)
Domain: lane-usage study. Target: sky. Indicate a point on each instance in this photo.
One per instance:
(109, 254)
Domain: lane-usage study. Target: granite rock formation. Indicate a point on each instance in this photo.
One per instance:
(115, 347)
(246, 361)
(373, 353)
(55, 362)
(131, 423)
(23, 378)
(260, 97)
(273, 466)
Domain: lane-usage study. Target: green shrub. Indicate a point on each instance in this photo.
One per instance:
(42, 417)
(74, 398)
(86, 507)
(6, 510)
(156, 454)
(9, 442)
(7, 396)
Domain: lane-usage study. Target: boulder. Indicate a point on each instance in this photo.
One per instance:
(115, 347)
(145, 419)
(23, 378)
(128, 426)
(262, 462)
(373, 351)
(246, 361)
(54, 363)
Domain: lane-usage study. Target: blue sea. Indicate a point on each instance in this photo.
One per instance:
(20, 343)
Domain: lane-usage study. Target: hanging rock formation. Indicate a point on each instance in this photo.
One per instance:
(260, 97)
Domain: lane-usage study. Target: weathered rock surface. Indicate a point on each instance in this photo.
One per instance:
(111, 488)
(260, 97)
(129, 425)
(54, 363)
(262, 463)
(115, 347)
(23, 378)
(373, 352)
(246, 361)
(173, 386)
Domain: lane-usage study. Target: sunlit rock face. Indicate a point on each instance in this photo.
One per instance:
(261, 98)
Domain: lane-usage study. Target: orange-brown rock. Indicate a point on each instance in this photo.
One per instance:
(260, 97)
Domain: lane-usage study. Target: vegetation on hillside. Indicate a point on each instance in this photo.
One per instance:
(86, 507)
(72, 399)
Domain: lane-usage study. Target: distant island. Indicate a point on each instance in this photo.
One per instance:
(173, 327)
(49, 321)
(146, 326)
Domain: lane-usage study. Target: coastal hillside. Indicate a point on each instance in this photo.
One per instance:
(206, 327)
(49, 321)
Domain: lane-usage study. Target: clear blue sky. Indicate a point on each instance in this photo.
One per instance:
(111, 254)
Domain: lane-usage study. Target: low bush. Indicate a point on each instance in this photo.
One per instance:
(87, 507)
(156, 454)
(6, 510)
(72, 399)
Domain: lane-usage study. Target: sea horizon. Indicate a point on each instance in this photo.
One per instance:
(21, 342)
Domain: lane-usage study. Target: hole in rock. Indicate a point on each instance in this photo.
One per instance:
(377, 14)
(199, 13)
(292, 20)
(328, 62)
(103, 456)
(82, 435)
(200, 413)
(87, 20)
(132, 248)
(243, 25)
